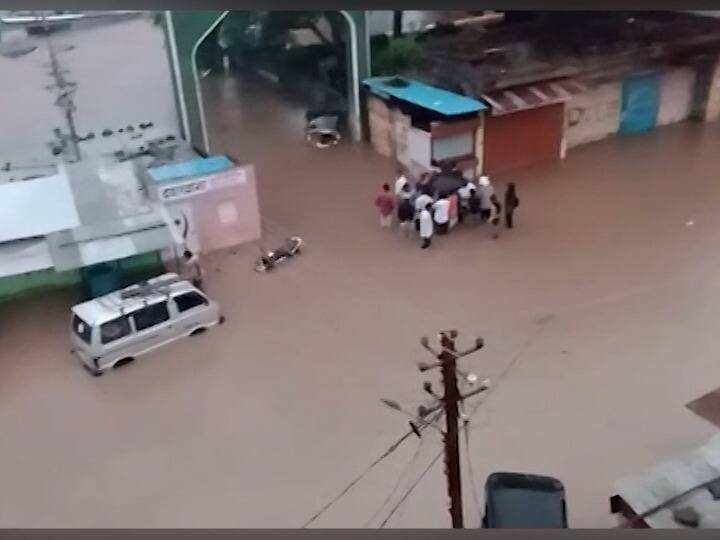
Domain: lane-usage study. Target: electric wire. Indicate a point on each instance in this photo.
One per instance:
(362, 475)
(476, 497)
(410, 490)
(466, 426)
(396, 486)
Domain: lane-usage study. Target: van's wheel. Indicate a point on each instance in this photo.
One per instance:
(123, 362)
(198, 331)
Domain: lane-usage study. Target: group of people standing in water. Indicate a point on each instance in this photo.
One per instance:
(430, 209)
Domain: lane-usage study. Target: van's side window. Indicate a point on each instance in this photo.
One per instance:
(115, 329)
(189, 300)
(150, 316)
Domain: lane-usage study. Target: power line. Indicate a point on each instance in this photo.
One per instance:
(397, 483)
(402, 439)
(466, 426)
(422, 475)
(410, 490)
(362, 475)
(476, 497)
(515, 359)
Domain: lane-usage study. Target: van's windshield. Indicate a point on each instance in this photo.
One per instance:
(81, 329)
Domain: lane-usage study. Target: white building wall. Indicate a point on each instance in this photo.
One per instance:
(676, 95)
(593, 115)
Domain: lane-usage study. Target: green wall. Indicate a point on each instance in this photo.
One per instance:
(185, 28)
(35, 282)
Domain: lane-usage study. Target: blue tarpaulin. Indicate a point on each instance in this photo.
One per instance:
(425, 96)
(192, 167)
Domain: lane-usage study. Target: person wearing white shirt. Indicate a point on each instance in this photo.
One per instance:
(442, 214)
(426, 226)
(400, 183)
(421, 202)
(464, 192)
(486, 193)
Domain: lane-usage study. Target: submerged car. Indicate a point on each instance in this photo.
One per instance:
(115, 329)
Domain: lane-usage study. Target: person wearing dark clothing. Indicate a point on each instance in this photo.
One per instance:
(511, 203)
(494, 217)
(406, 210)
(474, 204)
(192, 269)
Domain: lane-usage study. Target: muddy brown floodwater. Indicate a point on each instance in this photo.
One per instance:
(599, 312)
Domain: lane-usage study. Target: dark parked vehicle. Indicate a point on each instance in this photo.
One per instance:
(524, 501)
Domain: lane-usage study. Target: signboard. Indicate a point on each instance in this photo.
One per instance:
(186, 189)
(197, 186)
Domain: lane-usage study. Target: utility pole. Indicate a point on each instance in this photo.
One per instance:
(66, 91)
(447, 362)
(452, 446)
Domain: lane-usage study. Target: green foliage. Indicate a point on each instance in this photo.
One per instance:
(391, 56)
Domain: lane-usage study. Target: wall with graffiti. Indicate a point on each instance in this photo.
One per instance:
(593, 115)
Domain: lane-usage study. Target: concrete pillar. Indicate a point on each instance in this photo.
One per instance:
(185, 31)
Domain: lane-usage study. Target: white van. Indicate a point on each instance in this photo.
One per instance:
(114, 329)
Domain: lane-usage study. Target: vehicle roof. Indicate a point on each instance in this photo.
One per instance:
(113, 305)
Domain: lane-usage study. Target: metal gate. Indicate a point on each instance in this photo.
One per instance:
(639, 108)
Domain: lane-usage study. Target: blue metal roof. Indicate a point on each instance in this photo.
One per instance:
(423, 95)
(192, 167)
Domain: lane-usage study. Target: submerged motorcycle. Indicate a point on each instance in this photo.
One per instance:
(271, 259)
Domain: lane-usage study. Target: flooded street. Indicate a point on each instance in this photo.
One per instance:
(599, 313)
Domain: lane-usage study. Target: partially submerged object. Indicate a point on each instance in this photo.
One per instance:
(269, 260)
(322, 129)
(114, 329)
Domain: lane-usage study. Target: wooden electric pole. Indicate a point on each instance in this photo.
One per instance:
(447, 362)
(452, 446)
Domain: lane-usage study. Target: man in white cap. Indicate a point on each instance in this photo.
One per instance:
(485, 193)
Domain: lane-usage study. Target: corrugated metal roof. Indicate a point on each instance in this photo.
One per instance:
(669, 479)
(192, 167)
(36, 207)
(531, 96)
(22, 256)
(109, 241)
(428, 97)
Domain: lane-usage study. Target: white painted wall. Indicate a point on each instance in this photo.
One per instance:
(676, 95)
(593, 115)
(712, 107)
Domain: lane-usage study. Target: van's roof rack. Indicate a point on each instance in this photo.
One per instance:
(145, 288)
